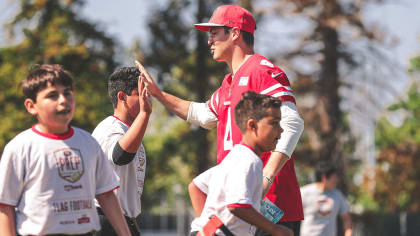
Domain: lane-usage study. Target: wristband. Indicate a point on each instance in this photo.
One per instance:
(270, 181)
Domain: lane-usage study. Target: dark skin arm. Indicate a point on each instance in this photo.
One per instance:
(251, 216)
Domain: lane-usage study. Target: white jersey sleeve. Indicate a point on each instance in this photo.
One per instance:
(12, 173)
(202, 181)
(292, 125)
(242, 181)
(200, 114)
(106, 179)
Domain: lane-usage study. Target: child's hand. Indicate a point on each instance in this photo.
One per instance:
(144, 97)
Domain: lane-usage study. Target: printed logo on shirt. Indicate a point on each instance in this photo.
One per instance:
(325, 206)
(69, 164)
(142, 161)
(72, 187)
(243, 81)
(276, 75)
(71, 205)
(67, 222)
(83, 220)
(264, 62)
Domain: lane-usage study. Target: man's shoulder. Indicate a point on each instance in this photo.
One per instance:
(337, 193)
(262, 67)
(262, 63)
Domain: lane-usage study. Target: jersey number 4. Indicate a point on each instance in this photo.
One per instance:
(228, 140)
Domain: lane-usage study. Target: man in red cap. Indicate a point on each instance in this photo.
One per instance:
(231, 40)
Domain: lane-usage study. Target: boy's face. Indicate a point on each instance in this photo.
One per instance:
(269, 130)
(133, 104)
(54, 108)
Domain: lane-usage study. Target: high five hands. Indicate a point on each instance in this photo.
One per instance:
(149, 83)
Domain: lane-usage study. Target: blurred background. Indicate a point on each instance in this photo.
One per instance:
(354, 66)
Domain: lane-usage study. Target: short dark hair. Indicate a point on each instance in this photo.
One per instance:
(253, 106)
(324, 168)
(39, 77)
(247, 36)
(124, 79)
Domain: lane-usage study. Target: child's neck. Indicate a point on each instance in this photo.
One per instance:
(50, 130)
(252, 144)
(123, 116)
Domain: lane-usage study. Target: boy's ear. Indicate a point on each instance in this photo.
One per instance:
(251, 125)
(30, 106)
(121, 96)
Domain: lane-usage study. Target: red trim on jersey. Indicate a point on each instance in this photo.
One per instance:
(287, 98)
(64, 136)
(122, 121)
(246, 145)
(109, 190)
(239, 205)
(211, 109)
(4, 204)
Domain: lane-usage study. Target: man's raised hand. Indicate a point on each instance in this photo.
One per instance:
(149, 83)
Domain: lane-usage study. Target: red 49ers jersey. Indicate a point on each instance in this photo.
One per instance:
(257, 74)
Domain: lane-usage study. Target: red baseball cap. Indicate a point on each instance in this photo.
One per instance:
(231, 16)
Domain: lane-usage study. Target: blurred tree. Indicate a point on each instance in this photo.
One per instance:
(50, 31)
(397, 185)
(332, 58)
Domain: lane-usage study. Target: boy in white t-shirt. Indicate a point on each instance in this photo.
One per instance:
(120, 136)
(234, 187)
(51, 173)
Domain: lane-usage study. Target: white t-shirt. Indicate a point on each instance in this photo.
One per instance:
(321, 210)
(52, 181)
(237, 181)
(131, 176)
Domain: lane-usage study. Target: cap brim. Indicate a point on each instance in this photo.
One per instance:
(206, 26)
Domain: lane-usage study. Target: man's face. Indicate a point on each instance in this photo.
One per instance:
(220, 44)
(54, 108)
(331, 181)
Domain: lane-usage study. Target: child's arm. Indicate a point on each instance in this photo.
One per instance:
(131, 140)
(7, 220)
(198, 198)
(198, 189)
(251, 216)
(112, 210)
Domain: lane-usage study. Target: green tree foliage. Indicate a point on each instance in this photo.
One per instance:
(328, 65)
(52, 32)
(397, 185)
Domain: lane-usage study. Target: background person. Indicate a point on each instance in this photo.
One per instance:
(323, 203)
